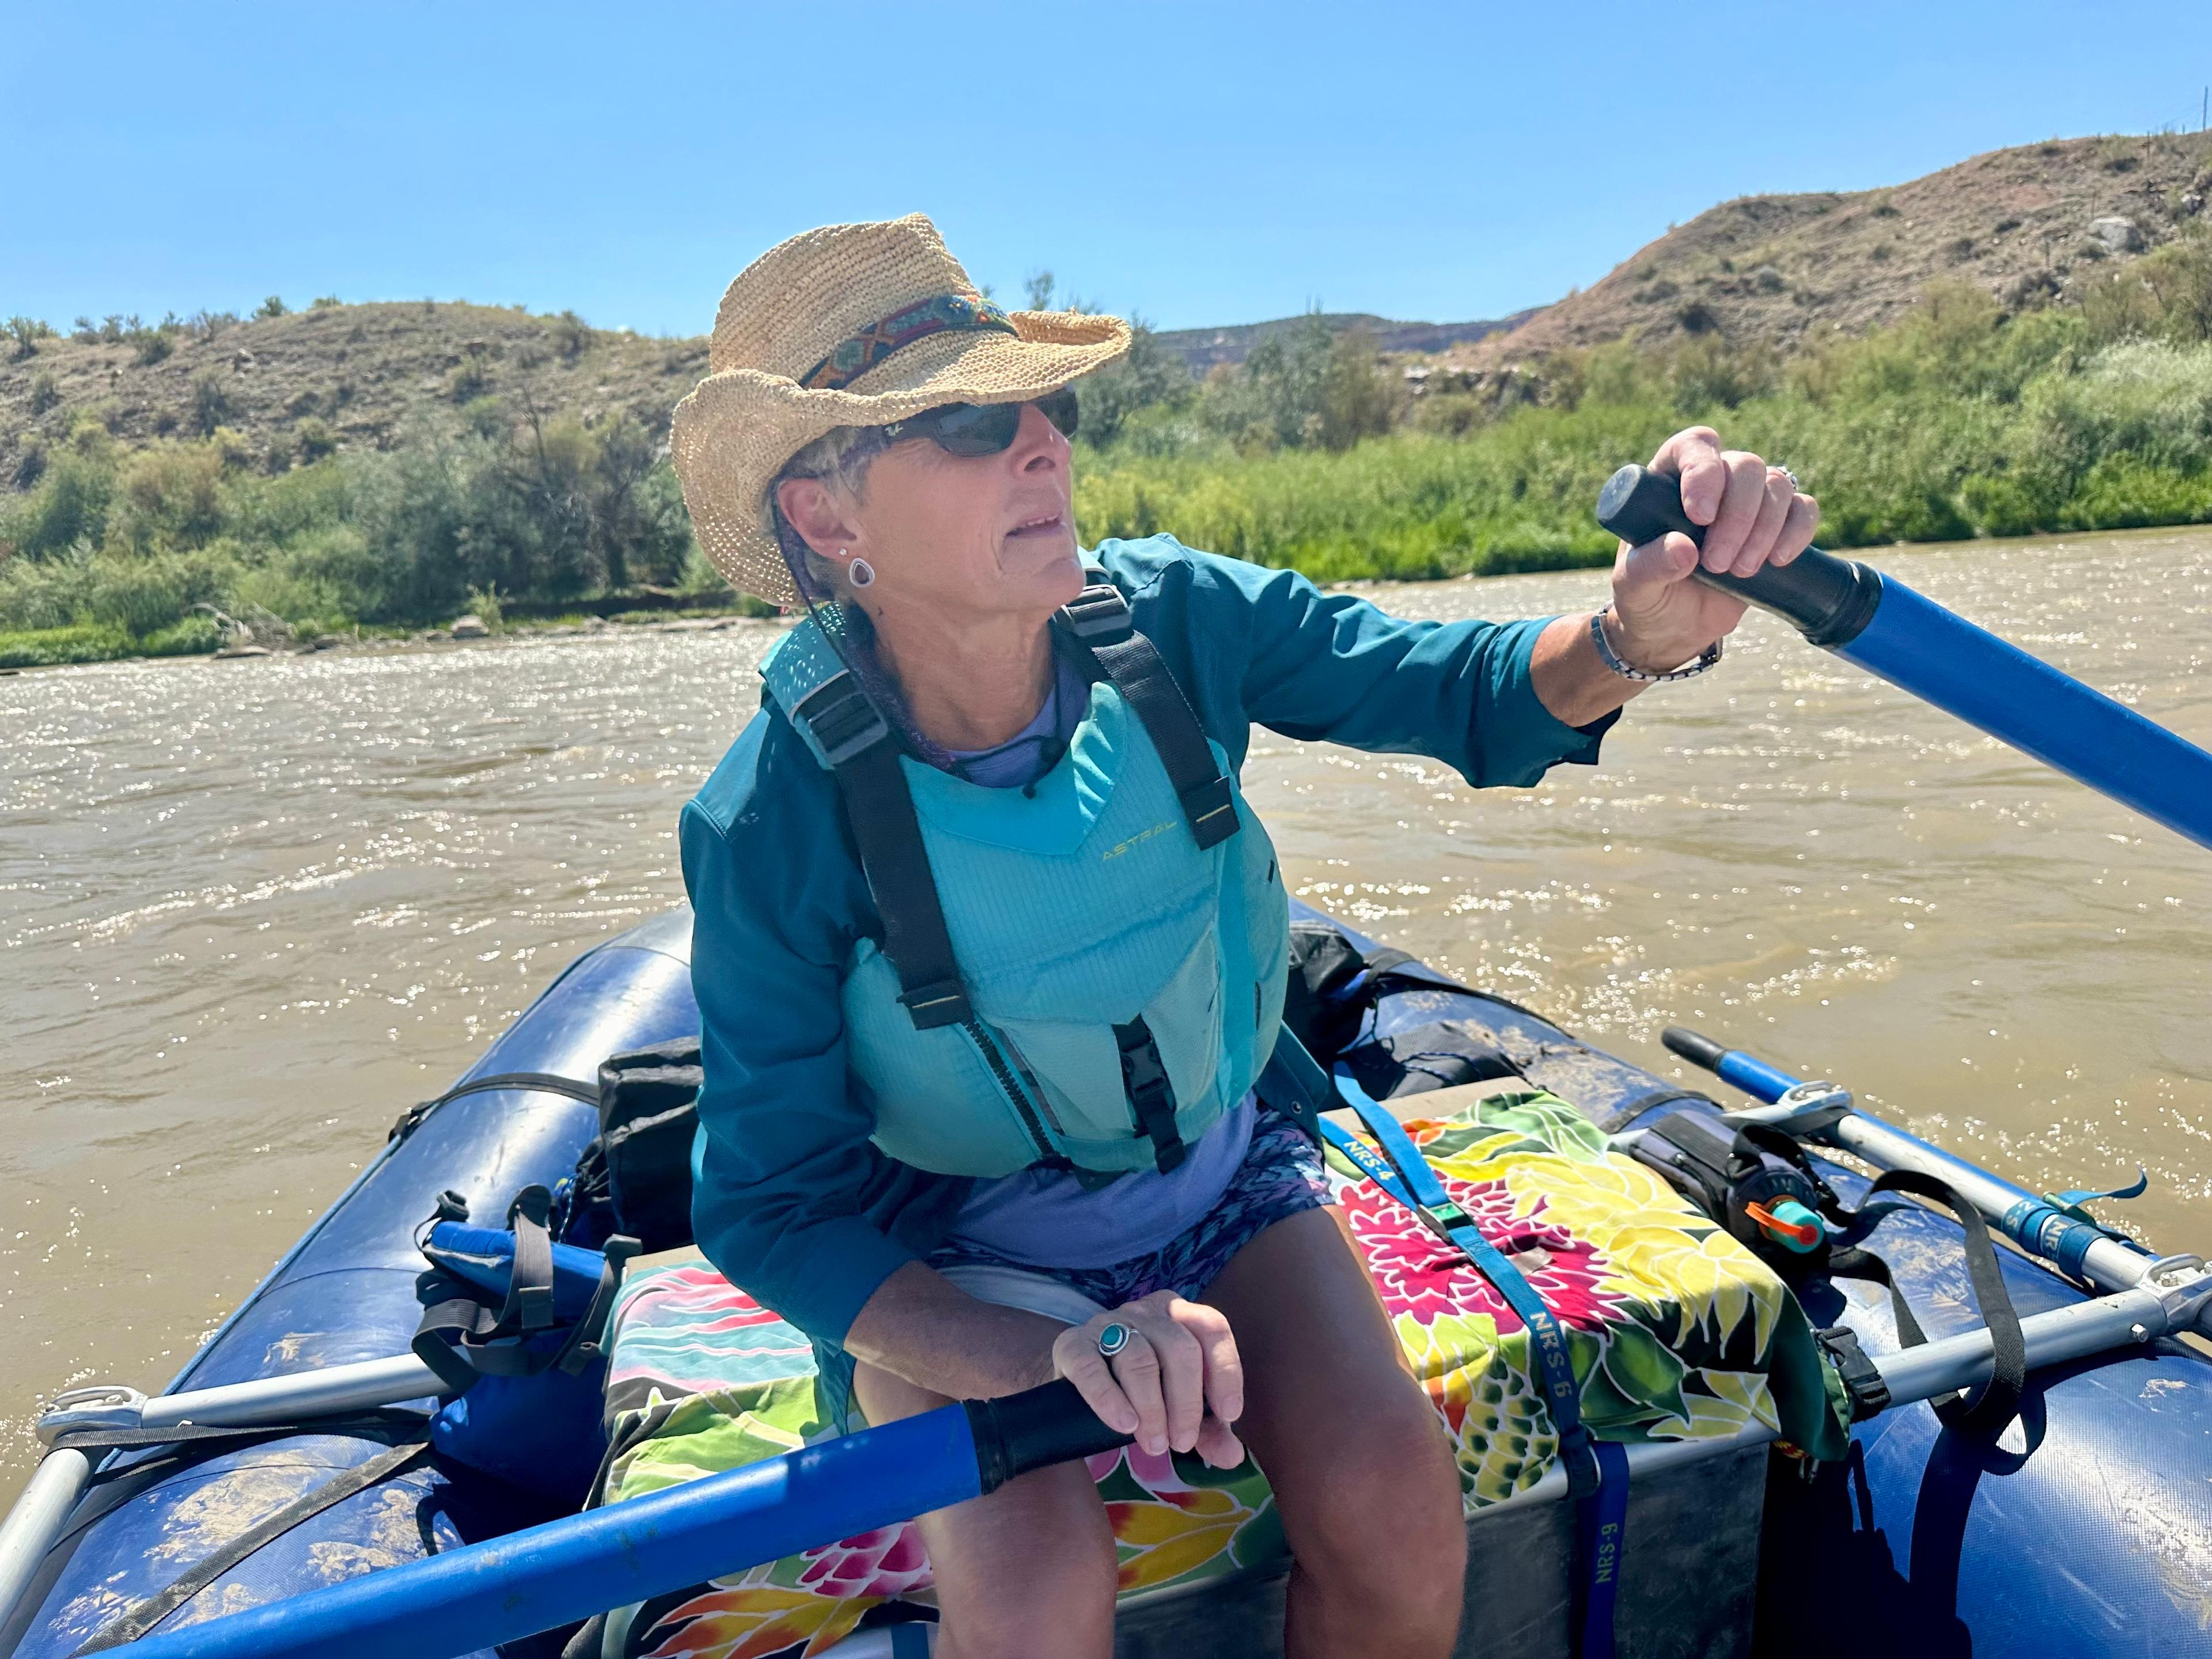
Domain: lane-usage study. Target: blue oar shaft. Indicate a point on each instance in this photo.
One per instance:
(1878, 623)
(506, 1588)
(1915, 643)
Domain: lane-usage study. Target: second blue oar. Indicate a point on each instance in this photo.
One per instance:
(508, 1587)
(1878, 623)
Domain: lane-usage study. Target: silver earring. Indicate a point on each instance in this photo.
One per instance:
(861, 573)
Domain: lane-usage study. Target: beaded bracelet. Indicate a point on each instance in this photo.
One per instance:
(1611, 658)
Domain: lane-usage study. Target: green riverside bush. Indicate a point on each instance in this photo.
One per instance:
(1965, 419)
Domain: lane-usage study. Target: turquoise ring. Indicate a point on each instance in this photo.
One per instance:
(1113, 1339)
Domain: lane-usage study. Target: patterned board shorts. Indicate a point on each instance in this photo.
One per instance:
(1282, 1176)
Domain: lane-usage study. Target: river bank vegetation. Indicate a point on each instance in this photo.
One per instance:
(2092, 411)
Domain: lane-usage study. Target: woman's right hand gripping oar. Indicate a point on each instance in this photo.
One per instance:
(1163, 1370)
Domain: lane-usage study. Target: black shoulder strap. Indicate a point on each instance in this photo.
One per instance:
(1097, 620)
(864, 758)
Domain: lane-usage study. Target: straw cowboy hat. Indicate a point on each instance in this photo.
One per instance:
(850, 326)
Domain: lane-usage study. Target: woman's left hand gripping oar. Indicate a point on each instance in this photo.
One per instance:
(1163, 1370)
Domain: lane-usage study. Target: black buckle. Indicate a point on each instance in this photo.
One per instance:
(944, 1003)
(1151, 1097)
(1210, 810)
(1862, 1378)
(842, 719)
(1098, 615)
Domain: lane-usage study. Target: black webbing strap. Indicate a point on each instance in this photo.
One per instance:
(545, 1082)
(141, 1617)
(1983, 1415)
(463, 1341)
(1152, 1097)
(529, 1305)
(1098, 620)
(863, 755)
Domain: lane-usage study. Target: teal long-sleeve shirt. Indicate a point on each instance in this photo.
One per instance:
(792, 1201)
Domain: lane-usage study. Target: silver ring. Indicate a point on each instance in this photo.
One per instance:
(1112, 1340)
(1785, 472)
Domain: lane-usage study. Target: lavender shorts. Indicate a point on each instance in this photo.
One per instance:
(1281, 1175)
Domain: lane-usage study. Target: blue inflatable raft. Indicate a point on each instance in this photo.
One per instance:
(2097, 1541)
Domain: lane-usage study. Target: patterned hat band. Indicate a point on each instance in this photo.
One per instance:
(936, 315)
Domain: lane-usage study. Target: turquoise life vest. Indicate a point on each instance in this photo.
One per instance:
(1067, 977)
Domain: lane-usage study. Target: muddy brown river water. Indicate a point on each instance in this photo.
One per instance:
(249, 910)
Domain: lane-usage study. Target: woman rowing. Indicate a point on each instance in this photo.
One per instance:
(990, 949)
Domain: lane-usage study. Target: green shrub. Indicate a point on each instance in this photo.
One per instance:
(26, 332)
(195, 636)
(70, 505)
(272, 306)
(31, 464)
(484, 604)
(211, 404)
(469, 378)
(285, 589)
(45, 394)
(49, 647)
(1150, 375)
(570, 335)
(2121, 492)
(47, 593)
(145, 594)
(167, 496)
(314, 440)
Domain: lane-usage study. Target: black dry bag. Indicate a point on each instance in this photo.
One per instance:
(636, 1179)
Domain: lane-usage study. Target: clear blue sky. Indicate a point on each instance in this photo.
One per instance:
(1198, 164)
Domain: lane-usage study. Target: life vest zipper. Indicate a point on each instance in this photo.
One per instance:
(1027, 1075)
(1012, 1091)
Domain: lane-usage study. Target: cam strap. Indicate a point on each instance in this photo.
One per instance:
(141, 1617)
(863, 755)
(1596, 1471)
(1097, 622)
(1983, 1415)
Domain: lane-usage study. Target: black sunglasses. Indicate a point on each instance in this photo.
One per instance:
(982, 428)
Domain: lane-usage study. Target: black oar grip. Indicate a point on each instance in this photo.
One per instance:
(1693, 1045)
(1828, 600)
(1033, 1428)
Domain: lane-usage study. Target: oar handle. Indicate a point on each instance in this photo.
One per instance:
(1827, 599)
(1732, 1065)
(1035, 1429)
